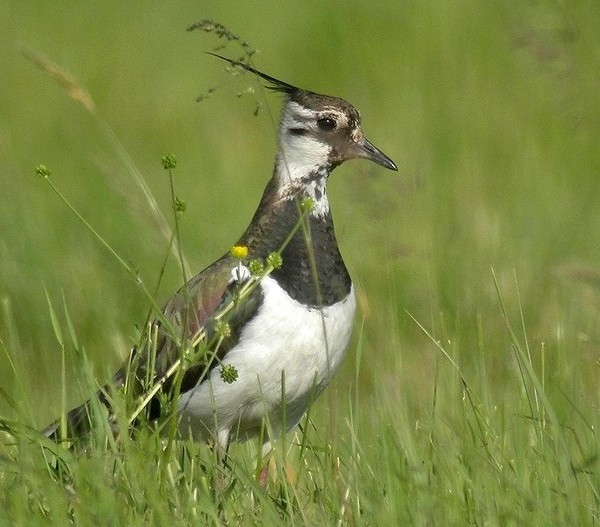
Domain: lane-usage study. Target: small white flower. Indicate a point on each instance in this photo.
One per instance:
(240, 274)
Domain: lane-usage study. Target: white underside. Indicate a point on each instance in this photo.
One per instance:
(288, 353)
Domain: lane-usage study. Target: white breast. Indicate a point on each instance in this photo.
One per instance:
(284, 341)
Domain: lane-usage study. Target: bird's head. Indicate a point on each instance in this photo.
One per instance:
(317, 132)
(325, 131)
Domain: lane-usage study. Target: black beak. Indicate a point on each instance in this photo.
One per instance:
(368, 150)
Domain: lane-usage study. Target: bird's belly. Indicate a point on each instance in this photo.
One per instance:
(286, 353)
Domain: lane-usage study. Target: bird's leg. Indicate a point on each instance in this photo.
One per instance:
(222, 446)
(220, 487)
(263, 475)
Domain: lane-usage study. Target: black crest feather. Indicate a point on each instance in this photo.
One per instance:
(274, 84)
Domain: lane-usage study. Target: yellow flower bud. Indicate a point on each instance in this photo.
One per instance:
(240, 252)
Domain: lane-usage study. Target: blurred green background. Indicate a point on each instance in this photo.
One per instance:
(490, 110)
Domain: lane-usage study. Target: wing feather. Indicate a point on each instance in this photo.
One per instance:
(189, 325)
(190, 317)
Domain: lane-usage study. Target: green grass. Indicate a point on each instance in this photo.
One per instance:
(470, 393)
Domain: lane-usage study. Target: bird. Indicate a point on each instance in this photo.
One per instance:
(257, 335)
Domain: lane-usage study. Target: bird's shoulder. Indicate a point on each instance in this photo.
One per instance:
(200, 298)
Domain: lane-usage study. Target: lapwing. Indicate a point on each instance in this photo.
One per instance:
(255, 337)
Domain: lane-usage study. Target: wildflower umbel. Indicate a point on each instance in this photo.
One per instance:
(307, 204)
(256, 267)
(229, 373)
(274, 260)
(169, 161)
(42, 171)
(179, 205)
(223, 329)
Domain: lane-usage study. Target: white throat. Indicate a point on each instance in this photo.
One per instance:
(302, 160)
(312, 179)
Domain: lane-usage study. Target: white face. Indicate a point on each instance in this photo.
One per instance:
(301, 148)
(304, 155)
(308, 137)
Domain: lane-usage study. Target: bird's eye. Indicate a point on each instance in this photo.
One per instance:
(326, 124)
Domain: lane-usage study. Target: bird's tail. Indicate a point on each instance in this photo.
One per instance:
(78, 424)
(81, 420)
